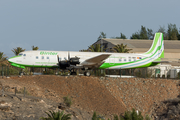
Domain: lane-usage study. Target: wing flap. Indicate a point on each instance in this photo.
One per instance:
(96, 61)
(98, 58)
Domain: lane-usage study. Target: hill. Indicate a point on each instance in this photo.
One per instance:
(107, 96)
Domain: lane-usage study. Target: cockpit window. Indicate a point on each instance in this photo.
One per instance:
(24, 55)
(20, 54)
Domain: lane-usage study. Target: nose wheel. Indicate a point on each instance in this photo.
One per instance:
(87, 73)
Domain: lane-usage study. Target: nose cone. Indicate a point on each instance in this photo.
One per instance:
(12, 59)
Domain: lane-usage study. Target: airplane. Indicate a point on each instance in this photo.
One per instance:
(89, 60)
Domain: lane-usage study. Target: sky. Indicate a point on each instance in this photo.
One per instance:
(73, 25)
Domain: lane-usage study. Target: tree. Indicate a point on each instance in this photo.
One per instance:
(163, 30)
(17, 50)
(150, 34)
(135, 36)
(102, 35)
(172, 32)
(179, 34)
(143, 33)
(96, 48)
(121, 48)
(122, 36)
(2, 57)
(35, 48)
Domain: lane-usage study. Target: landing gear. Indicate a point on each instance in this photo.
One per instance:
(73, 73)
(87, 73)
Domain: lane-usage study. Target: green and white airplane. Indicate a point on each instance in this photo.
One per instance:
(90, 60)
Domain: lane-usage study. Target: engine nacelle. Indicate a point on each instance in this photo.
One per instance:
(74, 60)
(64, 64)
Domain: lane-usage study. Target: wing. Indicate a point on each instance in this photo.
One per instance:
(95, 61)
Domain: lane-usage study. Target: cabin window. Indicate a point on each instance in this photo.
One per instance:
(125, 59)
(129, 58)
(47, 57)
(120, 59)
(37, 57)
(134, 58)
(42, 57)
(24, 55)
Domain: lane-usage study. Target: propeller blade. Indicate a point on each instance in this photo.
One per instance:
(68, 56)
(58, 58)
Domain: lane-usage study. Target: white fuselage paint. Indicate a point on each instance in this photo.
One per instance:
(34, 58)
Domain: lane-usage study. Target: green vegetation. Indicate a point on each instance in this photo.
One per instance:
(97, 48)
(97, 117)
(171, 33)
(121, 48)
(35, 48)
(131, 115)
(17, 50)
(122, 36)
(13, 71)
(102, 35)
(143, 34)
(128, 115)
(56, 116)
(67, 101)
(2, 57)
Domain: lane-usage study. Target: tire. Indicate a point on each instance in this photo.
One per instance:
(87, 73)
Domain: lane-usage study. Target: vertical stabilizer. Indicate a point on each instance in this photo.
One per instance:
(157, 47)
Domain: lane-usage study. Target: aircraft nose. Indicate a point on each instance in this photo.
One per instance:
(10, 60)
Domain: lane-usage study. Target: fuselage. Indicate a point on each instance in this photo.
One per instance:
(50, 59)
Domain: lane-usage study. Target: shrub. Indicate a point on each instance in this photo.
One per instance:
(13, 71)
(27, 71)
(57, 116)
(97, 117)
(67, 101)
(131, 115)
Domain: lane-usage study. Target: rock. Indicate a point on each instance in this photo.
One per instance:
(5, 108)
(62, 106)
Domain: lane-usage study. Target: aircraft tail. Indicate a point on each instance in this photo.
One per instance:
(157, 47)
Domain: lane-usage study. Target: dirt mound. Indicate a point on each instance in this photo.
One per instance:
(107, 96)
(87, 93)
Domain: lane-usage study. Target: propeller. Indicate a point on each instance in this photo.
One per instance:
(68, 56)
(58, 58)
(58, 61)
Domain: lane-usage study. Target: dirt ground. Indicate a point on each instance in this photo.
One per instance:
(106, 96)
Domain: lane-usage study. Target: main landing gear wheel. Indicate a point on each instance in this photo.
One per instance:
(87, 73)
